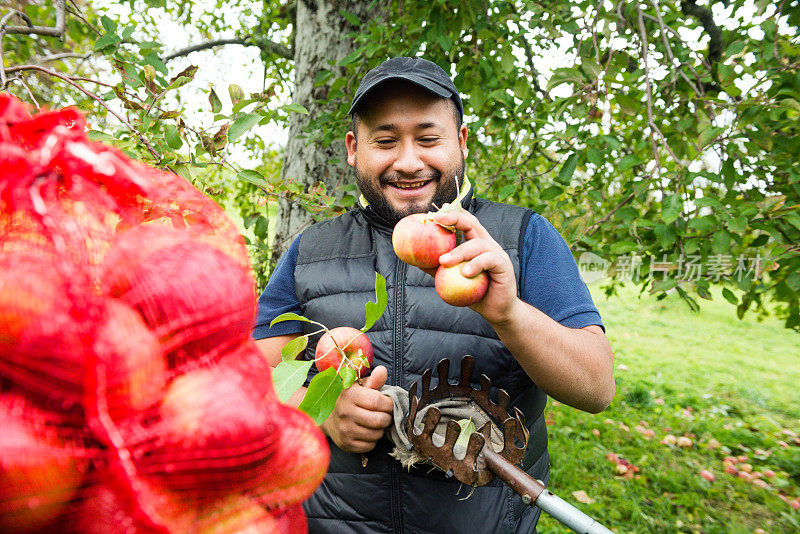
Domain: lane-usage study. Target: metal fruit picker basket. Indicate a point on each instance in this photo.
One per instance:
(481, 462)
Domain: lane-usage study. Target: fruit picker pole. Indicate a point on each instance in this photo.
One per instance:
(534, 493)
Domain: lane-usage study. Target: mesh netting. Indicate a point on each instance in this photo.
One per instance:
(131, 396)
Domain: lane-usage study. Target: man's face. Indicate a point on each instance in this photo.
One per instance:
(408, 152)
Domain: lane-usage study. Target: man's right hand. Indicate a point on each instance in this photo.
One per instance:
(361, 414)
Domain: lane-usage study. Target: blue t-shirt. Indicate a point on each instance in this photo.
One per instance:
(549, 281)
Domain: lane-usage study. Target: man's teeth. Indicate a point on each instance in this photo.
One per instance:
(412, 185)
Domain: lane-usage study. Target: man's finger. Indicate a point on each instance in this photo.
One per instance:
(465, 252)
(377, 378)
(464, 221)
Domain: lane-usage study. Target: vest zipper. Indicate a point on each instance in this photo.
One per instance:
(397, 373)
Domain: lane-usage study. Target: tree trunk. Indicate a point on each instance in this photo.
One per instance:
(320, 43)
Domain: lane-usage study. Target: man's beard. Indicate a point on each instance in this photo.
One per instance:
(446, 191)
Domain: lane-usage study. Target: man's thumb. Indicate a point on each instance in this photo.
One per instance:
(377, 378)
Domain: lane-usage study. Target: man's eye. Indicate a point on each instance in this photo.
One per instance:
(428, 140)
(385, 142)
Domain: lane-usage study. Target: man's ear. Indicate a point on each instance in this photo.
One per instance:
(350, 142)
(462, 140)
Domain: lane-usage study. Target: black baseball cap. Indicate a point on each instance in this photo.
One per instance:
(416, 70)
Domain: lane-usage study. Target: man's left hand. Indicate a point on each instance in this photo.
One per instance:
(483, 253)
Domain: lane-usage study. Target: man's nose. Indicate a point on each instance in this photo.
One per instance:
(408, 159)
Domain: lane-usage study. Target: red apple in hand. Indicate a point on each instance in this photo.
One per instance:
(355, 344)
(457, 289)
(419, 241)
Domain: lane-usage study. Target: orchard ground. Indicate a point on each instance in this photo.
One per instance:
(731, 387)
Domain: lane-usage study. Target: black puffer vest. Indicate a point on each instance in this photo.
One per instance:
(334, 278)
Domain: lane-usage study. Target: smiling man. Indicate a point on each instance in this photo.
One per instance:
(536, 332)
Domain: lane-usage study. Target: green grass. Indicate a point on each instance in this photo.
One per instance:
(702, 375)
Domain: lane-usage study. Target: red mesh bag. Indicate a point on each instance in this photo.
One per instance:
(131, 397)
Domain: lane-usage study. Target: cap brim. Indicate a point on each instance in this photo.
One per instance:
(425, 83)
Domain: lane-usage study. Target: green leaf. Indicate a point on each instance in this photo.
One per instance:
(289, 316)
(708, 135)
(214, 101)
(154, 61)
(242, 124)
(623, 247)
(671, 208)
(564, 75)
(568, 169)
(291, 350)
(348, 376)
(793, 218)
(793, 281)
(172, 136)
(96, 135)
(320, 399)
(506, 191)
(627, 162)
(288, 376)
(106, 40)
(729, 296)
(254, 177)
(612, 142)
(295, 107)
(375, 309)
(737, 225)
(665, 235)
(354, 55)
(590, 66)
(467, 429)
(663, 285)
(183, 171)
(322, 77)
(551, 192)
(109, 25)
(349, 17)
(183, 77)
(236, 93)
(627, 104)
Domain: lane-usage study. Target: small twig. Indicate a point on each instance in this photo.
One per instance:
(75, 12)
(594, 30)
(69, 80)
(65, 55)
(30, 29)
(668, 48)
(278, 49)
(596, 226)
(28, 89)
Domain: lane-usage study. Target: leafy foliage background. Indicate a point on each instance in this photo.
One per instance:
(669, 130)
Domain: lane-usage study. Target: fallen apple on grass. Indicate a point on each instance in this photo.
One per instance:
(458, 290)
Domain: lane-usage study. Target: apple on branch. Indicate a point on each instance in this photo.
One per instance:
(344, 345)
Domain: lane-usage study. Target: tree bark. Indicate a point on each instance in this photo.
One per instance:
(320, 43)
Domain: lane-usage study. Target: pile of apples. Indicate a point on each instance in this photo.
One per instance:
(419, 240)
(131, 396)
